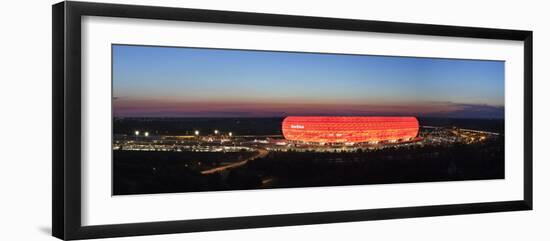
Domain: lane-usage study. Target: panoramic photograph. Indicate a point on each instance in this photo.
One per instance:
(203, 119)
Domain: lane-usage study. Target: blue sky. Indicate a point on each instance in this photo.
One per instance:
(167, 81)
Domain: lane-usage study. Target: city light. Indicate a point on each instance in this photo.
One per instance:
(342, 134)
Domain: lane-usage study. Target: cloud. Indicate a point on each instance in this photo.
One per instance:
(473, 111)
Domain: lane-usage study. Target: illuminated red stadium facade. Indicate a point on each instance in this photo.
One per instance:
(343, 129)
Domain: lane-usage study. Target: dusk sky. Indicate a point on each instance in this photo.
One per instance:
(195, 82)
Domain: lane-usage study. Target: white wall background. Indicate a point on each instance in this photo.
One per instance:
(25, 101)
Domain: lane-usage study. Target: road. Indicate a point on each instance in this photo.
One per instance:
(261, 153)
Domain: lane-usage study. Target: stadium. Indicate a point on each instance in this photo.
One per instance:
(347, 129)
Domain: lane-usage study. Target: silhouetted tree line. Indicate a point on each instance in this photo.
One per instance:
(263, 126)
(186, 126)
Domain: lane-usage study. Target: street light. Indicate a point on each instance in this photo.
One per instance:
(137, 133)
(230, 134)
(216, 132)
(197, 133)
(146, 134)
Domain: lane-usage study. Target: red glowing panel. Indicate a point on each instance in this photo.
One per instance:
(344, 129)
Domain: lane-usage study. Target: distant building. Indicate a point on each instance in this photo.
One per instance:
(349, 129)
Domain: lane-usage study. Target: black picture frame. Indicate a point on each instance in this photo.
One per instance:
(66, 75)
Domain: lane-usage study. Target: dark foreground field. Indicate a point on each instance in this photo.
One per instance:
(136, 172)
